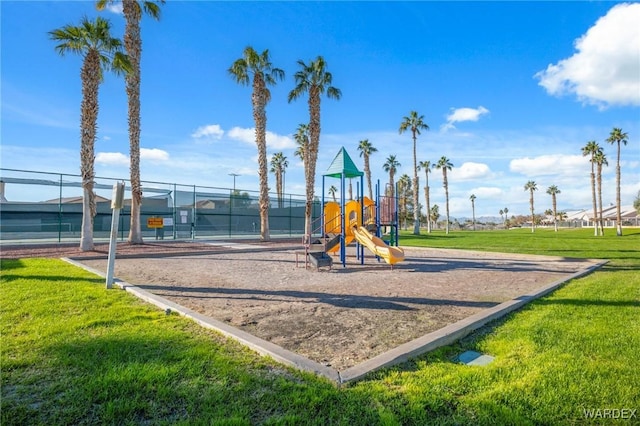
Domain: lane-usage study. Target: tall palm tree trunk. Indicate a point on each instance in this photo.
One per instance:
(446, 196)
(392, 184)
(426, 196)
(555, 212)
(593, 198)
(599, 184)
(533, 216)
(312, 155)
(279, 186)
(416, 206)
(88, 118)
(473, 214)
(618, 212)
(367, 172)
(133, 43)
(260, 118)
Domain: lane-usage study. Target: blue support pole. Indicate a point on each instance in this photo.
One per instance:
(322, 218)
(343, 250)
(377, 201)
(397, 239)
(361, 194)
(359, 253)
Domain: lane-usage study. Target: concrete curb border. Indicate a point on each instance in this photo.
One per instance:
(428, 342)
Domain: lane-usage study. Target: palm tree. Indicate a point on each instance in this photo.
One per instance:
(132, 11)
(415, 123)
(434, 214)
(506, 218)
(404, 191)
(591, 148)
(445, 165)
(100, 52)
(366, 149)
(332, 192)
(391, 166)
(257, 69)
(314, 79)
(472, 197)
(279, 164)
(501, 215)
(426, 165)
(601, 160)
(553, 190)
(531, 186)
(617, 136)
(302, 140)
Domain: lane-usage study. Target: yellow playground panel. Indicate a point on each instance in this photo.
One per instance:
(353, 213)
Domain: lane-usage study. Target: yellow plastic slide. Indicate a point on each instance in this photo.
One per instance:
(391, 255)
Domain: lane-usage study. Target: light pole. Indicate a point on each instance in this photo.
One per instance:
(234, 180)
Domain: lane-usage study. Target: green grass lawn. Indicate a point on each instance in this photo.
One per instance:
(75, 353)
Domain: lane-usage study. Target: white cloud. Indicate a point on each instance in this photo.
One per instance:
(112, 158)
(209, 132)
(545, 165)
(487, 192)
(154, 154)
(114, 7)
(248, 135)
(470, 170)
(458, 115)
(279, 142)
(604, 70)
(242, 134)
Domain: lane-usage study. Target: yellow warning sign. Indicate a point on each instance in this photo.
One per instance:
(155, 222)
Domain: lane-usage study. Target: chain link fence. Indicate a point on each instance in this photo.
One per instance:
(48, 206)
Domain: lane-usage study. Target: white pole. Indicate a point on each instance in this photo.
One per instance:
(116, 204)
(115, 217)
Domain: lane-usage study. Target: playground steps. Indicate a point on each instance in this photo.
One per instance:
(320, 259)
(331, 241)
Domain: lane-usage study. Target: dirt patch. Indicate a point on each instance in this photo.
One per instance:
(338, 317)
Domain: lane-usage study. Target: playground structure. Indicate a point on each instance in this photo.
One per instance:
(361, 220)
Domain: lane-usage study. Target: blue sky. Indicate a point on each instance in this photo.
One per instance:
(511, 91)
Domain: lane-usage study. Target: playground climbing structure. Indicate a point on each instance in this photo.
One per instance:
(362, 220)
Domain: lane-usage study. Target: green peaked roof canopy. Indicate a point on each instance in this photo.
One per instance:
(343, 164)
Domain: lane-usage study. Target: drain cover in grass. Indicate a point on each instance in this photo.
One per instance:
(474, 358)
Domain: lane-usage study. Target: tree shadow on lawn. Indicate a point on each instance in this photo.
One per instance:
(588, 302)
(52, 278)
(8, 264)
(175, 378)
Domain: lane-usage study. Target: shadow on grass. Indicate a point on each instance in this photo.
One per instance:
(168, 378)
(52, 278)
(588, 302)
(620, 268)
(8, 264)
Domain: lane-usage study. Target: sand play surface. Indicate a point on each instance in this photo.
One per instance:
(338, 317)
